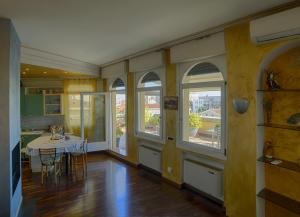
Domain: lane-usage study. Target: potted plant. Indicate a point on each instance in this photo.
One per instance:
(119, 134)
(194, 124)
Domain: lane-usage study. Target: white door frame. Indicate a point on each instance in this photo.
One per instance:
(103, 145)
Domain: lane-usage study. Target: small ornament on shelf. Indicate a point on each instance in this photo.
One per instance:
(271, 80)
(268, 149)
(268, 109)
(294, 119)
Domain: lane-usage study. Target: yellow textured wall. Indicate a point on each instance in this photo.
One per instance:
(171, 155)
(243, 61)
(132, 154)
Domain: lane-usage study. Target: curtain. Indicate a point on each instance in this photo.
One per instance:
(72, 90)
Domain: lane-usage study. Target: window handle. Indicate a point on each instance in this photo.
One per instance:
(211, 172)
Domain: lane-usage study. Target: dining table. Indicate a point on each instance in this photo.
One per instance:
(65, 144)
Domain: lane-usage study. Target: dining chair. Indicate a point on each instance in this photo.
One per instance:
(51, 158)
(79, 158)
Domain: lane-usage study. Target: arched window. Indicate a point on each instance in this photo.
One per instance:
(118, 84)
(118, 118)
(149, 100)
(151, 79)
(203, 107)
(203, 72)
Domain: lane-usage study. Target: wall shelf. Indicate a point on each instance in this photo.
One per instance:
(280, 126)
(280, 90)
(284, 164)
(280, 200)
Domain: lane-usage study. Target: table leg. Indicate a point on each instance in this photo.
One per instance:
(67, 163)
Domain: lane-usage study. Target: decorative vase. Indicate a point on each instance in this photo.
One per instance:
(268, 150)
(193, 131)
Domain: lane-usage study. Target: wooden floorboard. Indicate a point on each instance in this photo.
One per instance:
(111, 189)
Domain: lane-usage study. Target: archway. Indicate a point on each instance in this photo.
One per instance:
(279, 104)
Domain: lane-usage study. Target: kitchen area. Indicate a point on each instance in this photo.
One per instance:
(50, 98)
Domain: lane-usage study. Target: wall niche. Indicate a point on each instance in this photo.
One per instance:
(278, 166)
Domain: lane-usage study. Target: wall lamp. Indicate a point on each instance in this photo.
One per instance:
(240, 105)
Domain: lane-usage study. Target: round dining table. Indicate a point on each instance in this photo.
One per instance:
(65, 145)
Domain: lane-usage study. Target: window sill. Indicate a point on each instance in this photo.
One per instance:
(202, 151)
(150, 138)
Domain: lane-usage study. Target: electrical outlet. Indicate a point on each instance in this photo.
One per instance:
(170, 169)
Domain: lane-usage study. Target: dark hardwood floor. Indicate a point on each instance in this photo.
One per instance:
(111, 189)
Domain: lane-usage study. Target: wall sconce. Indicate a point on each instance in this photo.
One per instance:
(240, 105)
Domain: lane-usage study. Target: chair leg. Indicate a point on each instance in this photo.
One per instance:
(55, 172)
(29, 162)
(42, 175)
(83, 166)
(85, 163)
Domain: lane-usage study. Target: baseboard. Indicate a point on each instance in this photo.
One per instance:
(141, 166)
(211, 198)
(170, 182)
(120, 158)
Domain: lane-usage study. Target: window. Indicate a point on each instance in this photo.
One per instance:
(203, 108)
(149, 100)
(118, 118)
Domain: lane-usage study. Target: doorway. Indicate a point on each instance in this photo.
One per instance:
(118, 117)
(94, 109)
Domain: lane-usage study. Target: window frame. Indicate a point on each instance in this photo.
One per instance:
(182, 70)
(140, 134)
(110, 82)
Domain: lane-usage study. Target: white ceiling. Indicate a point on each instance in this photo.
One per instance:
(99, 31)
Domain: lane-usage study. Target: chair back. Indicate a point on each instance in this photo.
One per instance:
(47, 155)
(59, 153)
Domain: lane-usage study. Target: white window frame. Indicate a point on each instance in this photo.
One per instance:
(148, 136)
(110, 82)
(182, 70)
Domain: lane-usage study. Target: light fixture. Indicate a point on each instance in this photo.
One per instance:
(240, 105)
(45, 72)
(23, 73)
(27, 69)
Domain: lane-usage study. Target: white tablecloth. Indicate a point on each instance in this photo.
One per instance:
(62, 145)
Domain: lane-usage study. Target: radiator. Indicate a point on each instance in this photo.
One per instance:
(204, 178)
(150, 157)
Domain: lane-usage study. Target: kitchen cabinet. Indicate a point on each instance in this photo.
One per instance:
(31, 104)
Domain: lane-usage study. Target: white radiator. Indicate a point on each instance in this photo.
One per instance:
(203, 177)
(150, 158)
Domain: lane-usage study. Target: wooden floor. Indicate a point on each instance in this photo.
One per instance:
(111, 189)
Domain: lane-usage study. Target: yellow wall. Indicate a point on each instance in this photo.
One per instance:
(243, 60)
(171, 155)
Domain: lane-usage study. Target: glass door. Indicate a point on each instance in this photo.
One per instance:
(118, 117)
(94, 109)
(118, 122)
